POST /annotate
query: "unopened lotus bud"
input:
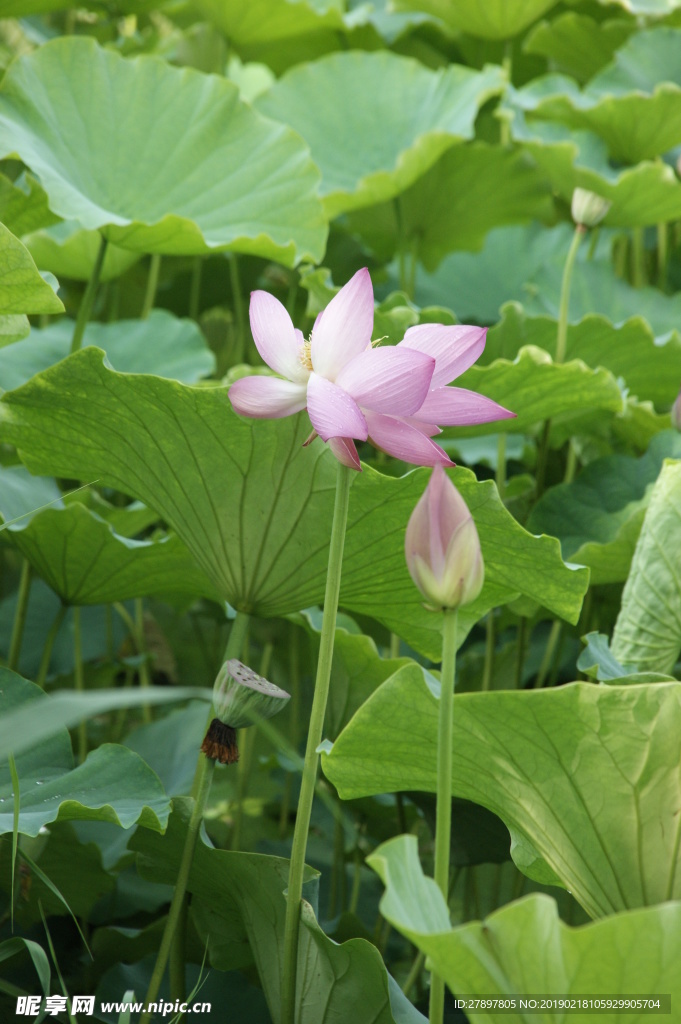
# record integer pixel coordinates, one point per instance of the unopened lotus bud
(588, 208)
(442, 546)
(240, 697)
(676, 412)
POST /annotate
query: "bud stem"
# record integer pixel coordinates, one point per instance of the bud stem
(443, 815)
(200, 791)
(314, 738)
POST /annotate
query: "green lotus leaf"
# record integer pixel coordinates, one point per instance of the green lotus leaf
(254, 507)
(84, 561)
(70, 251)
(24, 205)
(456, 203)
(489, 19)
(112, 784)
(13, 327)
(22, 289)
(538, 389)
(252, 23)
(526, 264)
(238, 904)
(531, 757)
(648, 629)
(576, 44)
(368, 153)
(634, 104)
(24, 8)
(651, 369)
(648, 193)
(598, 516)
(101, 132)
(598, 662)
(162, 344)
(635, 951)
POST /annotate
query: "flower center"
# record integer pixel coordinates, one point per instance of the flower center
(305, 355)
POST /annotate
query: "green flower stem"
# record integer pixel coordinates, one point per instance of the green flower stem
(294, 719)
(246, 750)
(195, 288)
(200, 791)
(88, 300)
(638, 256)
(49, 644)
(20, 617)
(314, 738)
(152, 285)
(443, 813)
(662, 251)
(561, 341)
(235, 281)
(79, 681)
(141, 644)
(561, 347)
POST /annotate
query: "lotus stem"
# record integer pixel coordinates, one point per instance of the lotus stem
(314, 738)
(49, 645)
(20, 616)
(79, 681)
(88, 300)
(152, 285)
(443, 812)
(202, 781)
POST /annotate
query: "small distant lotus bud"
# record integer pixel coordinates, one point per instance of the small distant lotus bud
(240, 697)
(442, 546)
(676, 413)
(588, 209)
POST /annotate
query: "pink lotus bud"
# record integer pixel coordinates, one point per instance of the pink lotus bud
(442, 546)
(676, 412)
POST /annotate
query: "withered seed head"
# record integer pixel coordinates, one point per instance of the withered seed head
(219, 743)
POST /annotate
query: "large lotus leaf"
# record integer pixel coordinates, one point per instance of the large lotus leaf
(22, 730)
(13, 327)
(577, 44)
(238, 898)
(526, 263)
(598, 516)
(539, 389)
(162, 344)
(636, 951)
(357, 670)
(254, 507)
(112, 784)
(68, 250)
(456, 203)
(634, 104)
(648, 629)
(370, 151)
(598, 662)
(102, 133)
(650, 369)
(532, 757)
(24, 8)
(489, 19)
(86, 562)
(648, 193)
(475, 285)
(24, 205)
(252, 23)
(22, 289)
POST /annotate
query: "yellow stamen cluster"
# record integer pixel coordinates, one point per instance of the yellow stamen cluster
(306, 355)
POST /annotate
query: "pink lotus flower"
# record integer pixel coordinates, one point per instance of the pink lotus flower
(393, 396)
(442, 548)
